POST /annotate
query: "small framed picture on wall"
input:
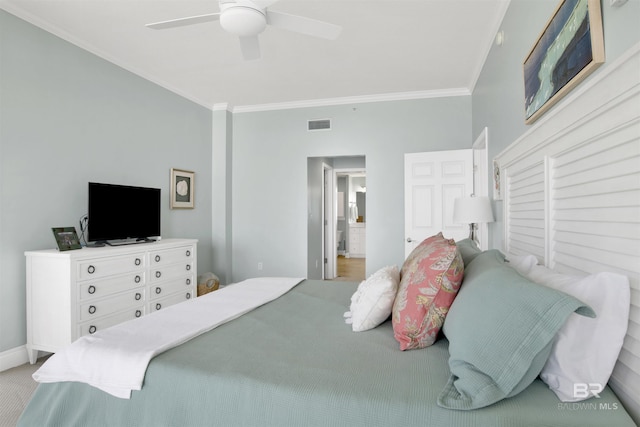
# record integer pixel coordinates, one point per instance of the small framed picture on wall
(497, 182)
(182, 189)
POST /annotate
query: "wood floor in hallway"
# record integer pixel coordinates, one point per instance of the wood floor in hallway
(351, 269)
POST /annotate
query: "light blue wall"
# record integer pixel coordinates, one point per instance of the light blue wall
(222, 147)
(498, 98)
(68, 117)
(270, 152)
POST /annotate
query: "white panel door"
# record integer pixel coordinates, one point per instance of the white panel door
(432, 181)
(329, 194)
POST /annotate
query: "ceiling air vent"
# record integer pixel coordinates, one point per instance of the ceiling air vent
(320, 124)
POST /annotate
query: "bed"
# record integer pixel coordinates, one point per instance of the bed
(293, 362)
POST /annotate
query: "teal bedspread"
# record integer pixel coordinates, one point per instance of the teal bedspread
(294, 362)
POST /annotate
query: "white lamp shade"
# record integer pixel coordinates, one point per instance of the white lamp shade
(472, 210)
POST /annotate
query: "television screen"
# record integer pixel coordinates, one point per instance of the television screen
(118, 212)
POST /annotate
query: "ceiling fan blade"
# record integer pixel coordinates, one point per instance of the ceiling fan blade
(250, 47)
(300, 24)
(184, 21)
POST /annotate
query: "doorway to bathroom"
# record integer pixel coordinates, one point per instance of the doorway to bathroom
(329, 252)
(350, 189)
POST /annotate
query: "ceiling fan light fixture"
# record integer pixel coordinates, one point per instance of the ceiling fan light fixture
(246, 19)
(243, 21)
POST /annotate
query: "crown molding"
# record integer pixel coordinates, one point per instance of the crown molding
(222, 106)
(496, 27)
(397, 96)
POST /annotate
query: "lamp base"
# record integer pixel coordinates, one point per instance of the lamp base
(472, 233)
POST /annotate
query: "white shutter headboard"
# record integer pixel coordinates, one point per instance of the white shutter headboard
(571, 188)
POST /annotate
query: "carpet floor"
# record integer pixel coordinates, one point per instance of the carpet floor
(16, 388)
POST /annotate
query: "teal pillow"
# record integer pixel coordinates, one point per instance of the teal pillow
(468, 250)
(500, 330)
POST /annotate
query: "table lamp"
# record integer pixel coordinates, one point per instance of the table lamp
(472, 210)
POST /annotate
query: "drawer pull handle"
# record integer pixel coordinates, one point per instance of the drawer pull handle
(188, 295)
(138, 296)
(188, 267)
(91, 269)
(158, 306)
(188, 282)
(158, 290)
(92, 309)
(92, 329)
(137, 279)
(188, 252)
(157, 258)
(138, 313)
(158, 274)
(138, 261)
(92, 289)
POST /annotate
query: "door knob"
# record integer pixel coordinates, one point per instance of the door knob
(409, 240)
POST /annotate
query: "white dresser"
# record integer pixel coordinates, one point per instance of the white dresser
(75, 293)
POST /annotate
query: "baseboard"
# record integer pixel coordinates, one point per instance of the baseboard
(13, 357)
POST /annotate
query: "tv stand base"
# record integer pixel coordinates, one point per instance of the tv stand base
(127, 242)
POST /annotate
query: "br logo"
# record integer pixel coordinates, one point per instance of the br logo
(584, 390)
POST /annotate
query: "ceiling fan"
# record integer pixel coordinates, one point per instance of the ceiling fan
(248, 18)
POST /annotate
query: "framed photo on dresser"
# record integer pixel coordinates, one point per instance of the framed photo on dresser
(66, 238)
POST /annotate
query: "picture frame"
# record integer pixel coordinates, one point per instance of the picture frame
(497, 184)
(66, 238)
(182, 189)
(570, 47)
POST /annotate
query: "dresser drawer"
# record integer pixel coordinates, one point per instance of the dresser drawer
(170, 256)
(162, 289)
(94, 268)
(95, 309)
(96, 325)
(169, 272)
(171, 300)
(104, 287)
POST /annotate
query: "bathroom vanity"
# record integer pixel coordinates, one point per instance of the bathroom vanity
(357, 240)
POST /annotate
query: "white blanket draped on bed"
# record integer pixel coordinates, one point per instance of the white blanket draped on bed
(115, 360)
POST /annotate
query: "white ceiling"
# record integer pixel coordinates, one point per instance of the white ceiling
(388, 49)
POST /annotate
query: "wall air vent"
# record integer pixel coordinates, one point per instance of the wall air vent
(319, 124)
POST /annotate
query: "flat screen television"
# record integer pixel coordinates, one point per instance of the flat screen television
(122, 213)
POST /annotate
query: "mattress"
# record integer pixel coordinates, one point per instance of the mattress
(294, 362)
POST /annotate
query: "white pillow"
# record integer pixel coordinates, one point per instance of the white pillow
(372, 302)
(586, 349)
(522, 263)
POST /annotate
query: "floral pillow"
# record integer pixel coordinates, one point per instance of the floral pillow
(430, 280)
